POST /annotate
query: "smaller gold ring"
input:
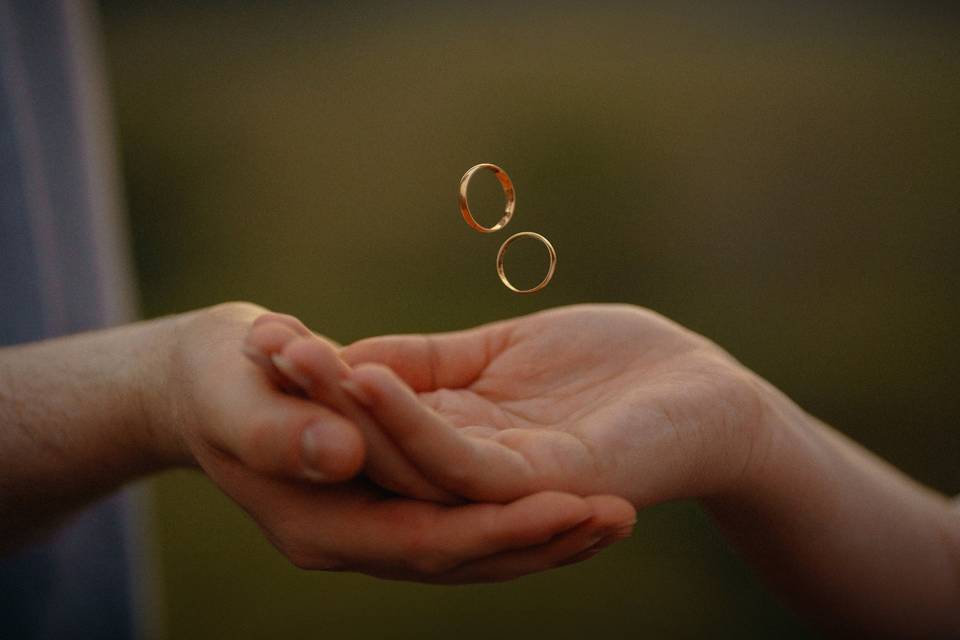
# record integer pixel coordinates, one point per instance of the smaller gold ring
(508, 191)
(503, 250)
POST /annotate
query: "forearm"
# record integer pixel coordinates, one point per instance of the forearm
(843, 534)
(73, 423)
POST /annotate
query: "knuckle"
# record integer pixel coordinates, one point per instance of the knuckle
(235, 310)
(213, 322)
(238, 307)
(271, 316)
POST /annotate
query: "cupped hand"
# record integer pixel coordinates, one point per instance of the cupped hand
(590, 399)
(287, 461)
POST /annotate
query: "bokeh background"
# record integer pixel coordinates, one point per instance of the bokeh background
(782, 177)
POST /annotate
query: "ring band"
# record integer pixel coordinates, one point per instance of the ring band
(503, 250)
(508, 191)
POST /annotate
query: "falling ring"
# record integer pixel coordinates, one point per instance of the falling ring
(508, 191)
(550, 270)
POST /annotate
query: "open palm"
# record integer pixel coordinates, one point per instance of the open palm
(587, 399)
(247, 435)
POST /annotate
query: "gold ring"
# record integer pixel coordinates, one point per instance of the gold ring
(507, 191)
(503, 250)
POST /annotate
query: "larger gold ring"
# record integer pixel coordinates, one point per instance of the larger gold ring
(508, 191)
(503, 250)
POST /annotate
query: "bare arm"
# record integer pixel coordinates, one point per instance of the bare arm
(842, 534)
(72, 424)
(80, 416)
(616, 399)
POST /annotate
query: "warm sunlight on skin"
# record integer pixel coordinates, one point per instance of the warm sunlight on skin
(248, 437)
(614, 399)
(589, 399)
(179, 391)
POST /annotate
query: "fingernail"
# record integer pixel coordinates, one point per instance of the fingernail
(257, 357)
(586, 554)
(604, 540)
(313, 442)
(356, 392)
(591, 552)
(287, 368)
(595, 542)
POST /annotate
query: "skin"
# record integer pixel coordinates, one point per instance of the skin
(616, 399)
(80, 416)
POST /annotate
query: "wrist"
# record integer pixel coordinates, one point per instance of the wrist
(160, 408)
(185, 352)
(783, 447)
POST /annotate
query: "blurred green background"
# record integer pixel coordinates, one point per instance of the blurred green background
(781, 177)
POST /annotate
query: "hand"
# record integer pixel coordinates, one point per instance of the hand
(595, 399)
(273, 344)
(615, 399)
(273, 452)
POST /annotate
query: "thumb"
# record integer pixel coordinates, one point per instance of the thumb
(279, 434)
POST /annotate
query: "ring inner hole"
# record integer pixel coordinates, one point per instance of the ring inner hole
(486, 198)
(526, 262)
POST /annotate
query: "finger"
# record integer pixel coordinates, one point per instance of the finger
(348, 527)
(435, 539)
(509, 565)
(265, 339)
(291, 322)
(590, 552)
(613, 515)
(613, 519)
(321, 372)
(280, 434)
(429, 362)
(404, 538)
(476, 468)
(268, 336)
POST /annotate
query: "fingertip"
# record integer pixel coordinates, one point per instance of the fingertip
(375, 383)
(542, 516)
(571, 512)
(268, 338)
(256, 356)
(573, 506)
(292, 372)
(285, 319)
(612, 512)
(316, 357)
(371, 372)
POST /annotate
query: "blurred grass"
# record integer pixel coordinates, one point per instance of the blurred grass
(783, 178)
